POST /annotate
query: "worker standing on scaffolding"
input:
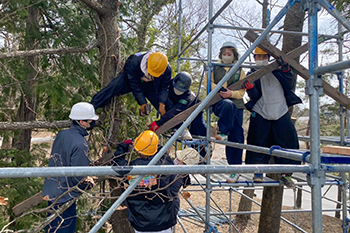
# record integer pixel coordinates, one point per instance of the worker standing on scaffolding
(146, 75)
(181, 98)
(230, 108)
(70, 148)
(270, 122)
(153, 205)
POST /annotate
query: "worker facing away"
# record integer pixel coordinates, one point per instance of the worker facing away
(153, 204)
(70, 148)
(147, 75)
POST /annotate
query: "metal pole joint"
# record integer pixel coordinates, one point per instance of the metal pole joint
(314, 86)
(305, 6)
(313, 177)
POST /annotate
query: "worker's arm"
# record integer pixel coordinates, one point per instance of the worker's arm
(80, 157)
(164, 84)
(181, 106)
(134, 74)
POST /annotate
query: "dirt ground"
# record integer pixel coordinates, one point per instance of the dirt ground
(304, 220)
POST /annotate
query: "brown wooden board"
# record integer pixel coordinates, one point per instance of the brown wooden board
(236, 86)
(341, 150)
(302, 71)
(27, 204)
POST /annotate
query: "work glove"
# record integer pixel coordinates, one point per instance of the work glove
(248, 85)
(153, 126)
(128, 141)
(144, 110)
(283, 64)
(162, 108)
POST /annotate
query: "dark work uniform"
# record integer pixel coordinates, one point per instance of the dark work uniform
(178, 103)
(70, 148)
(266, 133)
(129, 80)
(147, 210)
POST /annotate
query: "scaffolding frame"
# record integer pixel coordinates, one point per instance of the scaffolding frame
(315, 169)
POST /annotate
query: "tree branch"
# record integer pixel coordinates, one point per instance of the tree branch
(35, 124)
(49, 51)
(94, 5)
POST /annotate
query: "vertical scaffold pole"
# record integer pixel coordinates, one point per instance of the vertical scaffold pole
(210, 30)
(179, 37)
(341, 80)
(314, 87)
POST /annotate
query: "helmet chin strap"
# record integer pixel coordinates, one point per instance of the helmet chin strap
(84, 127)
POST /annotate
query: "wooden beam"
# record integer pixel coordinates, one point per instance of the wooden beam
(236, 86)
(341, 150)
(299, 69)
(27, 204)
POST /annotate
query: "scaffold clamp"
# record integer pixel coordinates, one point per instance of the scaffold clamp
(317, 174)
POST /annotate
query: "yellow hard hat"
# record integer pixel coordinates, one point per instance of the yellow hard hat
(157, 63)
(146, 143)
(259, 51)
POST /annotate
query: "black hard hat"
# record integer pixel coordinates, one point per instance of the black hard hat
(182, 81)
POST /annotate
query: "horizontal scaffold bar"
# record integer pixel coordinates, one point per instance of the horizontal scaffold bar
(20, 172)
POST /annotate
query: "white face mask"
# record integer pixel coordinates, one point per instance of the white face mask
(262, 62)
(227, 59)
(177, 92)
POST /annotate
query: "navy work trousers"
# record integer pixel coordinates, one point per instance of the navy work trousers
(120, 86)
(66, 222)
(230, 123)
(267, 133)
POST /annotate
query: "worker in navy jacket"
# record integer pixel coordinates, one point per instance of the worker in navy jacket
(154, 203)
(146, 75)
(270, 121)
(180, 99)
(69, 149)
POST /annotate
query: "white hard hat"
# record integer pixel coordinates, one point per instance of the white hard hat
(83, 111)
(188, 155)
(228, 44)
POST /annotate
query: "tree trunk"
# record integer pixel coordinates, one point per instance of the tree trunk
(245, 204)
(265, 16)
(108, 35)
(28, 102)
(110, 65)
(271, 208)
(119, 219)
(293, 21)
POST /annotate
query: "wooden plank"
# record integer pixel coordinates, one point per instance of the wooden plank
(341, 150)
(302, 71)
(29, 203)
(236, 86)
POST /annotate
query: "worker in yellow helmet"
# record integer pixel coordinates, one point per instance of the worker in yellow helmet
(147, 75)
(270, 122)
(153, 205)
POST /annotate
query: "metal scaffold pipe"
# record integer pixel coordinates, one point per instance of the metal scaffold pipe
(146, 170)
(332, 68)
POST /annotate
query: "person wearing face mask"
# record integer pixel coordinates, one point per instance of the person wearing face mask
(147, 75)
(270, 122)
(180, 98)
(70, 148)
(230, 108)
